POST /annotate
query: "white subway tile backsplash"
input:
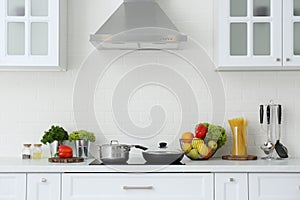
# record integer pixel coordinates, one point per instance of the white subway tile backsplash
(33, 101)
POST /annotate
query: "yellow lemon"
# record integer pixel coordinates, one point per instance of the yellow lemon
(186, 147)
(202, 149)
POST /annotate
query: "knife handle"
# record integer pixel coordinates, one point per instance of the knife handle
(261, 114)
(268, 114)
(279, 113)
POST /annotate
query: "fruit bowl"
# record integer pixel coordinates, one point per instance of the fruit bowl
(198, 149)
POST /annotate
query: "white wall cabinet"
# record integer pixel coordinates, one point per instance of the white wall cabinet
(43, 186)
(231, 186)
(146, 186)
(12, 186)
(33, 34)
(276, 186)
(258, 34)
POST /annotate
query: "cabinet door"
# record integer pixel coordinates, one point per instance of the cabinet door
(274, 186)
(231, 186)
(12, 186)
(43, 186)
(30, 33)
(117, 186)
(249, 33)
(291, 33)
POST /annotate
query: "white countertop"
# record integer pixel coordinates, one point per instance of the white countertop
(17, 165)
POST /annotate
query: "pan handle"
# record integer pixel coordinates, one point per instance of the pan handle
(140, 147)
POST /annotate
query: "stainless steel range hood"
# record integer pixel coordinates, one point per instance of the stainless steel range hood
(138, 24)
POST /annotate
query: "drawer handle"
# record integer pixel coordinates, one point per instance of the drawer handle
(137, 187)
(43, 180)
(231, 180)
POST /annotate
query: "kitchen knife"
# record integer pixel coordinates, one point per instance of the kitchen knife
(261, 115)
(268, 123)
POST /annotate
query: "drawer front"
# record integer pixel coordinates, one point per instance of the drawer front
(137, 186)
(231, 186)
(12, 186)
(264, 186)
(43, 186)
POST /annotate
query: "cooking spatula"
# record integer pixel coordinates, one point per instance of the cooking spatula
(280, 148)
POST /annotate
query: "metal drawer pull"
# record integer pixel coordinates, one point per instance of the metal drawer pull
(137, 187)
(298, 187)
(277, 59)
(44, 180)
(231, 179)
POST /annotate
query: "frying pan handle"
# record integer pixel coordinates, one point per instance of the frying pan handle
(140, 147)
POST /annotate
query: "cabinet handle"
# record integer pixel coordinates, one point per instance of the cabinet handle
(137, 187)
(277, 59)
(288, 59)
(231, 179)
(43, 180)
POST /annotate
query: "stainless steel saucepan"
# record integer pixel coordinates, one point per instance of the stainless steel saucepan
(115, 153)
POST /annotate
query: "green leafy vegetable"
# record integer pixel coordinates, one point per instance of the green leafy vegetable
(54, 133)
(82, 135)
(74, 136)
(216, 133)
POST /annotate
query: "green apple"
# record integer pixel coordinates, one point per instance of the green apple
(194, 154)
(213, 145)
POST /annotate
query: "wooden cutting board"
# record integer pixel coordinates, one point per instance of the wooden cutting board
(66, 160)
(230, 157)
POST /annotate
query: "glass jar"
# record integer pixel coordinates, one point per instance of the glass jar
(37, 151)
(26, 152)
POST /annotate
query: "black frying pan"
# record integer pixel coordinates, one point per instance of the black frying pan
(162, 155)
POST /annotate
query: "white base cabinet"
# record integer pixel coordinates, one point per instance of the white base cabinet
(231, 186)
(266, 186)
(43, 186)
(12, 186)
(149, 186)
(146, 186)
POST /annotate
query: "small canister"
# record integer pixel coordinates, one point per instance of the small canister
(26, 152)
(37, 152)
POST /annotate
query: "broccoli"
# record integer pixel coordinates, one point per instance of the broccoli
(216, 133)
(82, 135)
